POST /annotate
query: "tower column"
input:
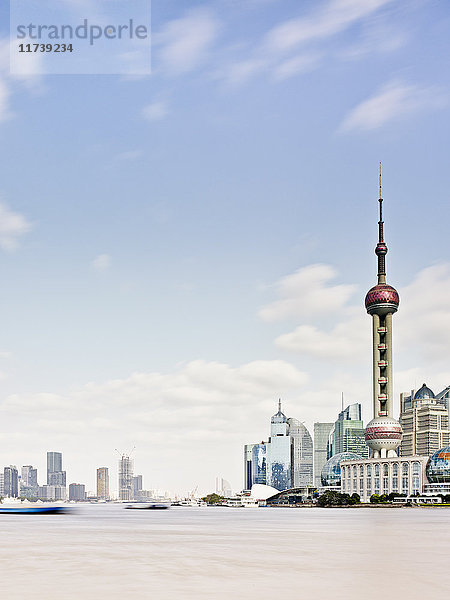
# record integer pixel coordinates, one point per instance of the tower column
(375, 360)
(389, 368)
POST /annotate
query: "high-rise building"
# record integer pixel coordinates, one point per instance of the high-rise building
(77, 492)
(11, 482)
(348, 432)
(302, 454)
(248, 472)
(2, 485)
(125, 478)
(54, 462)
(137, 486)
(55, 474)
(259, 460)
(29, 476)
(321, 434)
(424, 420)
(279, 453)
(102, 483)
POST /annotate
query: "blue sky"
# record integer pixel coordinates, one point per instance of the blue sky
(179, 250)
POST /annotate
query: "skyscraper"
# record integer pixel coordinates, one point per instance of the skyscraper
(29, 476)
(302, 454)
(77, 492)
(125, 478)
(102, 483)
(425, 423)
(383, 433)
(321, 433)
(279, 452)
(55, 474)
(11, 482)
(348, 433)
(259, 459)
(137, 486)
(248, 472)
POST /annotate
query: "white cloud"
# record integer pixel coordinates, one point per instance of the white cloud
(155, 111)
(328, 20)
(102, 262)
(295, 66)
(185, 43)
(393, 101)
(12, 226)
(348, 340)
(307, 292)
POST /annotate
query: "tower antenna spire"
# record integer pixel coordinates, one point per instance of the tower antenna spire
(279, 404)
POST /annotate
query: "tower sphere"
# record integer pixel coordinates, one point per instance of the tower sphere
(382, 299)
(383, 433)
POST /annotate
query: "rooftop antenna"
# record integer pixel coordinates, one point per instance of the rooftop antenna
(279, 404)
(342, 401)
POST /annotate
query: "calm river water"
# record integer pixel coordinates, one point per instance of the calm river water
(104, 552)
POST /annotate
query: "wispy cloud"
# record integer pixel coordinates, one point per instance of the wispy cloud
(102, 262)
(393, 101)
(307, 292)
(185, 43)
(297, 45)
(12, 227)
(156, 111)
(330, 19)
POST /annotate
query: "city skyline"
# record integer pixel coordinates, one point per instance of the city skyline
(175, 264)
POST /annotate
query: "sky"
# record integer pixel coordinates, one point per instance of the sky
(180, 250)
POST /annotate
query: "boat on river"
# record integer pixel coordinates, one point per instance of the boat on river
(31, 510)
(148, 505)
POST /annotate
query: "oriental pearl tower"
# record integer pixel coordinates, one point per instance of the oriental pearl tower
(384, 433)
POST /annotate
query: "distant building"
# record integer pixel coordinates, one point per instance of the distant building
(425, 422)
(125, 478)
(52, 492)
(137, 486)
(77, 492)
(29, 476)
(223, 488)
(11, 482)
(285, 460)
(302, 454)
(102, 483)
(321, 435)
(55, 474)
(279, 453)
(2, 485)
(348, 433)
(248, 473)
(259, 460)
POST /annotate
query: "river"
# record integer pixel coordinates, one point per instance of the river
(105, 552)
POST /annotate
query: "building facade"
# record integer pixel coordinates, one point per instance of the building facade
(77, 492)
(55, 474)
(102, 483)
(321, 434)
(11, 482)
(279, 453)
(259, 463)
(348, 433)
(302, 454)
(401, 475)
(425, 422)
(248, 473)
(125, 478)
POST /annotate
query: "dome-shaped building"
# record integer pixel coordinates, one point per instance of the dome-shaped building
(331, 472)
(438, 466)
(424, 393)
